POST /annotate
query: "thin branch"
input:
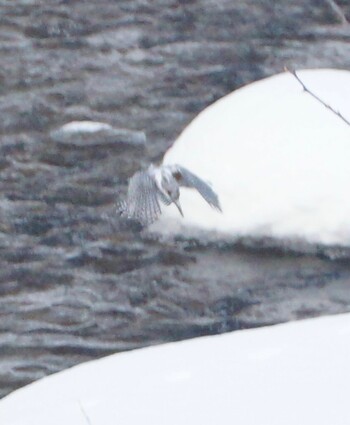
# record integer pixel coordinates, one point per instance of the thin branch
(87, 419)
(337, 11)
(326, 105)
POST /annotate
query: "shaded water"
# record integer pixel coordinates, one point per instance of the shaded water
(77, 283)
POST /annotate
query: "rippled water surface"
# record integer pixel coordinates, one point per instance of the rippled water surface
(76, 282)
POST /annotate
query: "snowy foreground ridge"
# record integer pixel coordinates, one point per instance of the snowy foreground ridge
(296, 373)
(278, 159)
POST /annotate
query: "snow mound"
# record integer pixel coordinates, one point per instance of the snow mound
(297, 373)
(278, 159)
(84, 127)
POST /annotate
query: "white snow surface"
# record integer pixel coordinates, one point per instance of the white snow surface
(84, 127)
(278, 159)
(296, 373)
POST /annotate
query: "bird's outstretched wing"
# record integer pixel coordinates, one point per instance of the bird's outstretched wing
(187, 179)
(142, 199)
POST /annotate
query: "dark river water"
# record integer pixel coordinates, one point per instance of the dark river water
(77, 282)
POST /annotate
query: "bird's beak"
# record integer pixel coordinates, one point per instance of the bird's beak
(178, 206)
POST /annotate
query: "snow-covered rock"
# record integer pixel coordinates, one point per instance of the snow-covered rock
(85, 127)
(93, 133)
(296, 373)
(278, 159)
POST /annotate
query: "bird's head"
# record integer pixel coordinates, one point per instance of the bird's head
(170, 187)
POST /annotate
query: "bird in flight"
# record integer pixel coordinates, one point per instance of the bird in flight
(161, 184)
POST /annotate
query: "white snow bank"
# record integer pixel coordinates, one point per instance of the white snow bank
(297, 373)
(279, 160)
(84, 127)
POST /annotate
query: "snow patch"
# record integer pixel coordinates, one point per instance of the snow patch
(296, 373)
(278, 159)
(84, 127)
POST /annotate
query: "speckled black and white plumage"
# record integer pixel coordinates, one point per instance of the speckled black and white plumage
(185, 178)
(161, 184)
(142, 198)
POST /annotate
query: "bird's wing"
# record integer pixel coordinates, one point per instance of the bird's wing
(187, 179)
(142, 200)
(166, 201)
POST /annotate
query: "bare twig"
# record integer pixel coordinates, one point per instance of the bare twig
(326, 105)
(337, 11)
(87, 419)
